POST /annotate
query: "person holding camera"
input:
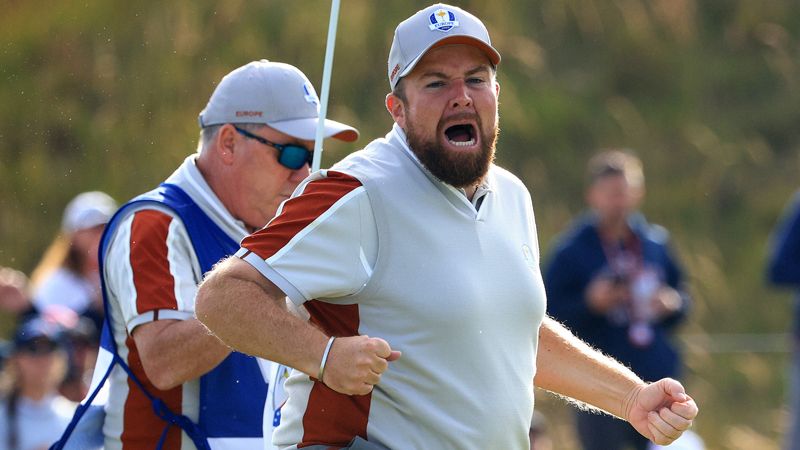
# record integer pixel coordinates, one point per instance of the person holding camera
(614, 281)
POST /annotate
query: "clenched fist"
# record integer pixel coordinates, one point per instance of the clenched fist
(355, 364)
(661, 411)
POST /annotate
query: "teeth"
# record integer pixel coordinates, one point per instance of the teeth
(463, 144)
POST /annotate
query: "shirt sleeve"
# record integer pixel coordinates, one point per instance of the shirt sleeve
(322, 243)
(151, 270)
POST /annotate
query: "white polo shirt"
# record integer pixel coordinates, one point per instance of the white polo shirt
(379, 246)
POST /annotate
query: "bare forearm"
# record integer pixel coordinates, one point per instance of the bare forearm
(251, 317)
(176, 351)
(569, 367)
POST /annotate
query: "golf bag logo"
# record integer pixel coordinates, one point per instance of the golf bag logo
(442, 20)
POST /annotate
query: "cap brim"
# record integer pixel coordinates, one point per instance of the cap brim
(491, 53)
(307, 129)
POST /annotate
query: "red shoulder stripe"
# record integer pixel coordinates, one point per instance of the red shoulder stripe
(299, 212)
(155, 287)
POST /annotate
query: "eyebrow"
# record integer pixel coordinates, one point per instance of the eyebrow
(473, 71)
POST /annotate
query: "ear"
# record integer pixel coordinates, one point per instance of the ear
(397, 109)
(225, 147)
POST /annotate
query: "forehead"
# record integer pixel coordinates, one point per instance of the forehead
(452, 59)
(612, 183)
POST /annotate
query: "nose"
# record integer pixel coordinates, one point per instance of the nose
(461, 96)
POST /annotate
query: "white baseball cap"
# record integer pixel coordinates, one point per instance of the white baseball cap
(88, 210)
(432, 27)
(271, 93)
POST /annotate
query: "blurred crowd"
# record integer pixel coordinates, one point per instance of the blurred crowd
(47, 363)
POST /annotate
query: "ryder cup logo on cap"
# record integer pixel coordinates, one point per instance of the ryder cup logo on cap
(435, 26)
(442, 20)
(310, 94)
(274, 94)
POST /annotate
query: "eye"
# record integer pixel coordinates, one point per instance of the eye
(435, 84)
(475, 80)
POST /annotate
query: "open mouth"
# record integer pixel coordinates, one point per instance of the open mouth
(462, 135)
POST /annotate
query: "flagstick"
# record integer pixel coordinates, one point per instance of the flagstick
(326, 84)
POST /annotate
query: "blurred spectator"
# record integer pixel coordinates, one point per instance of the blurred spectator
(784, 270)
(68, 273)
(66, 285)
(81, 340)
(13, 291)
(14, 301)
(32, 413)
(689, 440)
(81, 336)
(613, 280)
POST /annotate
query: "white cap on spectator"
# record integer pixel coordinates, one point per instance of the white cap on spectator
(271, 93)
(88, 210)
(435, 26)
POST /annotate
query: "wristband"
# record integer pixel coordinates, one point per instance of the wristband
(325, 358)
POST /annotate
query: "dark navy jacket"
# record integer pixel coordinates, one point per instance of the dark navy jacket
(784, 257)
(576, 259)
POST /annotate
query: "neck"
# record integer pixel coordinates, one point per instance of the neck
(203, 164)
(216, 180)
(613, 229)
(471, 190)
(221, 184)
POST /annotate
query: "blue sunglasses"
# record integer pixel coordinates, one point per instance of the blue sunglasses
(289, 155)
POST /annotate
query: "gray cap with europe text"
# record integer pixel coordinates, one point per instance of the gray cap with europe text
(271, 93)
(435, 26)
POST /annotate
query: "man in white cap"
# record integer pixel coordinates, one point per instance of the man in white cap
(419, 244)
(176, 386)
